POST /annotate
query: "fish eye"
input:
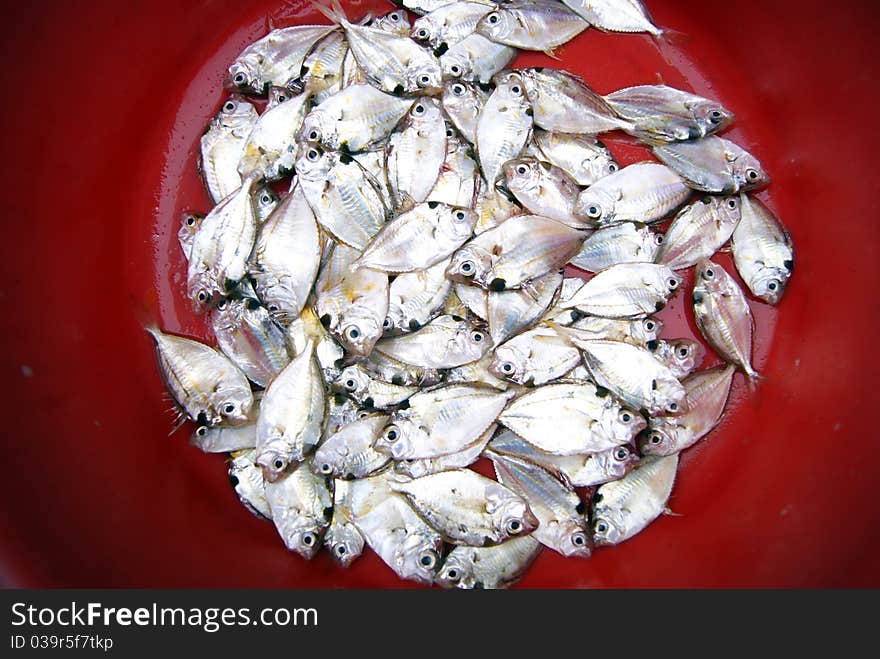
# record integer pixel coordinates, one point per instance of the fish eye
(460, 216)
(708, 273)
(341, 550)
(229, 408)
(350, 384)
(352, 333)
(521, 169)
(655, 438)
(419, 109)
(314, 136)
(477, 337)
(455, 70)
(621, 453)
(281, 98)
(424, 80)
(326, 468)
(449, 132)
(428, 560)
(422, 34)
(752, 175)
(467, 268)
(715, 117)
(279, 464)
(312, 155)
(683, 351)
(229, 106)
(387, 324)
(773, 286)
(452, 574)
(190, 221)
(239, 79)
(579, 539)
(658, 239)
(650, 325)
(493, 18)
(626, 416)
(394, 16)
(203, 297)
(222, 305)
(601, 526)
(672, 407)
(673, 283)
(392, 434)
(514, 526)
(273, 308)
(594, 211)
(507, 368)
(458, 90)
(612, 168)
(731, 203)
(515, 90)
(201, 431)
(363, 414)
(308, 539)
(265, 199)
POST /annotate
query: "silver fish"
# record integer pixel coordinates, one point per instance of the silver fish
(291, 415)
(394, 22)
(372, 393)
(535, 357)
(459, 180)
(419, 238)
(477, 373)
(354, 118)
(416, 468)
(186, 234)
(762, 251)
(488, 568)
(503, 127)
(221, 247)
(624, 507)
(449, 23)
(423, 7)
(560, 313)
(443, 343)
(707, 393)
(247, 481)
(346, 202)
(582, 157)
(276, 59)
(494, 207)
(342, 539)
(544, 189)
(349, 453)
(511, 312)
(532, 25)
(723, 315)
(666, 114)
(341, 411)
(681, 356)
(463, 102)
(642, 332)
(270, 150)
(416, 152)
(396, 372)
(222, 145)
(563, 103)
(265, 202)
(628, 290)
(476, 59)
(562, 524)
(223, 439)
(301, 503)
(714, 164)
(322, 67)
(570, 419)
(247, 334)
(352, 302)
(474, 299)
(615, 15)
(642, 192)
(441, 421)
(699, 231)
(416, 298)
(629, 242)
(521, 249)
(327, 351)
(467, 508)
(204, 383)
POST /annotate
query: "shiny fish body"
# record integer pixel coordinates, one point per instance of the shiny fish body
(247, 481)
(390, 370)
(511, 312)
(493, 208)
(628, 242)
(474, 299)
(373, 163)
(247, 334)
(642, 192)
(354, 118)
(535, 357)
(322, 67)
(615, 15)
(449, 23)
(563, 103)
(352, 302)
(286, 256)
(559, 313)
(276, 59)
(633, 375)
(699, 231)
(714, 164)
(416, 152)
(204, 383)
(346, 203)
(503, 127)
(642, 332)
(723, 315)
(467, 508)
(186, 234)
(554, 503)
(582, 157)
(328, 353)
(342, 539)
(476, 59)
(544, 189)
(459, 180)
(301, 503)
(419, 238)
(394, 22)
(349, 453)
(463, 102)
(762, 251)
(440, 422)
(628, 290)
(521, 249)
(416, 298)
(291, 415)
(532, 25)
(477, 373)
(707, 393)
(265, 202)
(340, 412)
(224, 439)
(221, 247)
(569, 419)
(443, 343)
(355, 381)
(624, 507)
(666, 114)
(222, 146)
(467, 456)
(270, 150)
(488, 568)
(681, 356)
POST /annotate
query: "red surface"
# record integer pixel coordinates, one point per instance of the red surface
(99, 159)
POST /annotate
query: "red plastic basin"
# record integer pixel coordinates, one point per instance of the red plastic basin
(99, 158)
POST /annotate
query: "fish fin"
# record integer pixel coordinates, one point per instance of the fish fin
(552, 54)
(668, 511)
(334, 12)
(179, 420)
(405, 204)
(726, 249)
(753, 378)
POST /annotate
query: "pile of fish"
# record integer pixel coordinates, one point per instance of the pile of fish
(401, 311)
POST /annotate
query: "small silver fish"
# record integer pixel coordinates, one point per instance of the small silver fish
(628, 290)
(544, 189)
(388, 369)
(443, 343)
(449, 24)
(488, 568)
(714, 164)
(270, 150)
(225, 439)
(582, 157)
(511, 312)
(762, 251)
(189, 225)
(629, 242)
(535, 357)
(356, 381)
(681, 356)
(699, 231)
(533, 25)
(222, 145)
(503, 127)
(476, 59)
(301, 503)
(247, 481)
(463, 102)
(416, 152)
(416, 468)
(642, 332)
(416, 298)
(349, 453)
(342, 539)
(460, 178)
(615, 15)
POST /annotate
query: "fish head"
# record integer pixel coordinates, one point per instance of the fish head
(511, 90)
(232, 404)
(606, 531)
(236, 112)
(353, 381)
(510, 514)
(245, 76)
(396, 320)
(345, 543)
(748, 172)
(621, 423)
(394, 22)
(426, 76)
(596, 206)
(413, 468)
(228, 314)
(572, 537)
(189, 225)
(687, 354)
(359, 330)
(509, 363)
(281, 301)
(469, 264)
(646, 329)
(457, 222)
(659, 439)
(668, 396)
(424, 30)
(418, 556)
(202, 291)
(313, 163)
(265, 201)
(457, 570)
(768, 283)
(617, 461)
(708, 278)
(301, 534)
(472, 341)
(667, 281)
(273, 460)
(727, 209)
(426, 111)
(711, 116)
(524, 175)
(497, 25)
(400, 437)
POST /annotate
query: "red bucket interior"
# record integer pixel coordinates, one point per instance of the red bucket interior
(101, 160)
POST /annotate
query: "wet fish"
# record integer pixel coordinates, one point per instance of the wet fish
(349, 453)
(544, 189)
(503, 127)
(247, 481)
(356, 381)
(416, 298)
(699, 231)
(396, 372)
(707, 393)
(643, 192)
(624, 507)
(475, 59)
(445, 342)
(265, 202)
(322, 68)
(394, 22)
(629, 242)
(270, 151)
(532, 25)
(511, 312)
(328, 352)
(450, 23)
(223, 439)
(628, 290)
(189, 225)
(681, 356)
(341, 411)
(342, 539)
(723, 315)
(762, 251)
(302, 504)
(535, 357)
(582, 157)
(222, 145)
(495, 567)
(416, 152)
(477, 373)
(460, 178)
(642, 332)
(467, 508)
(714, 164)
(463, 102)
(615, 15)
(416, 468)
(494, 207)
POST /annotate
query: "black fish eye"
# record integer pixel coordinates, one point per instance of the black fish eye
(452, 574)
(282, 98)
(716, 114)
(229, 408)
(424, 79)
(341, 550)
(514, 526)
(387, 324)
(522, 169)
(190, 220)
(419, 109)
(772, 286)
(222, 305)
(392, 435)
(673, 407)
(312, 155)
(621, 453)
(612, 168)
(423, 33)
(601, 527)
(394, 16)
(201, 431)
(353, 333)
(752, 174)
(460, 215)
(428, 560)
(578, 539)
(229, 107)
(350, 384)
(455, 70)
(308, 540)
(467, 268)
(649, 326)
(239, 79)
(273, 308)
(202, 296)
(507, 367)
(655, 438)
(493, 18)
(626, 417)
(477, 337)
(709, 273)
(458, 90)
(731, 203)
(279, 464)
(449, 132)
(673, 283)
(314, 135)
(515, 89)
(265, 199)
(682, 352)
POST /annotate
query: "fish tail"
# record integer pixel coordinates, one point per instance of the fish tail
(334, 12)
(753, 378)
